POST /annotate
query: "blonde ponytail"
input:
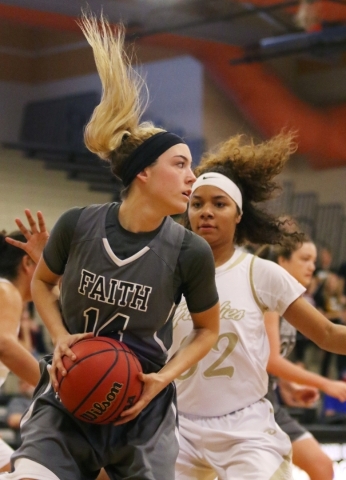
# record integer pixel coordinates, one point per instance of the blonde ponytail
(121, 105)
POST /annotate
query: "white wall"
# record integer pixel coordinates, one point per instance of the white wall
(25, 183)
(329, 184)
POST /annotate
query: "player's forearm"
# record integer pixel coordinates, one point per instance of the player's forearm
(311, 323)
(193, 349)
(286, 370)
(18, 360)
(200, 341)
(46, 301)
(13, 421)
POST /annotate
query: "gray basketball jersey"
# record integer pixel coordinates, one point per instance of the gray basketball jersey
(129, 299)
(288, 336)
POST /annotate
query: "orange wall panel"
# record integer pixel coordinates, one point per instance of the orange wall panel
(63, 65)
(15, 68)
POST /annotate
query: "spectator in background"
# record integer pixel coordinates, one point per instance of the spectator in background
(342, 275)
(302, 342)
(332, 407)
(330, 300)
(324, 263)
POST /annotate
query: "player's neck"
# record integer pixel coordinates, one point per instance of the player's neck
(136, 218)
(23, 288)
(222, 253)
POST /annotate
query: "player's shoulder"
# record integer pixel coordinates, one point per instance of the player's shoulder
(7, 286)
(70, 216)
(77, 210)
(92, 211)
(264, 265)
(268, 273)
(9, 294)
(194, 242)
(195, 257)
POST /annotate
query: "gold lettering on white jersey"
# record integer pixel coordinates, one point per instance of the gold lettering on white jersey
(215, 369)
(229, 313)
(182, 313)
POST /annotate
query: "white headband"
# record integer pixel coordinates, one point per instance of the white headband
(220, 181)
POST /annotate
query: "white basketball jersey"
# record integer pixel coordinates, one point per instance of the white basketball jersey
(233, 374)
(4, 371)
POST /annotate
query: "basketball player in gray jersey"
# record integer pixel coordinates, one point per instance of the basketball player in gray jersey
(97, 242)
(123, 268)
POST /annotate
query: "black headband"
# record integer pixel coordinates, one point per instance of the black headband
(147, 153)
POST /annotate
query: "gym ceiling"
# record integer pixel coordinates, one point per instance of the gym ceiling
(263, 54)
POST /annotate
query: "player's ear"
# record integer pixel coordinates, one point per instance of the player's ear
(281, 260)
(143, 175)
(27, 263)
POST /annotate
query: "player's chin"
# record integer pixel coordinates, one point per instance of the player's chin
(179, 208)
(185, 202)
(207, 235)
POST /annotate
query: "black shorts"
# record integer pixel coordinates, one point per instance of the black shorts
(145, 448)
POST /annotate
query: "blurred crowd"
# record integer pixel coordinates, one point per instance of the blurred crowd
(327, 292)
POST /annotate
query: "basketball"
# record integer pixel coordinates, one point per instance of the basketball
(102, 382)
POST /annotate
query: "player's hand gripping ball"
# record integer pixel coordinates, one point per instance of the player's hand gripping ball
(102, 381)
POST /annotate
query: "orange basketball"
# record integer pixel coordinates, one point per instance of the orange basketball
(101, 382)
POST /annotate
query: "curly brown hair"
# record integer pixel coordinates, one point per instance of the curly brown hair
(253, 167)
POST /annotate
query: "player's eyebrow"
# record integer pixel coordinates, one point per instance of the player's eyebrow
(188, 160)
(214, 196)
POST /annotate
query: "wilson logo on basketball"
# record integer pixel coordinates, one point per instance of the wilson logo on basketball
(101, 382)
(100, 408)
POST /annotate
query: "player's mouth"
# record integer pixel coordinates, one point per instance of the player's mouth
(187, 193)
(205, 227)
